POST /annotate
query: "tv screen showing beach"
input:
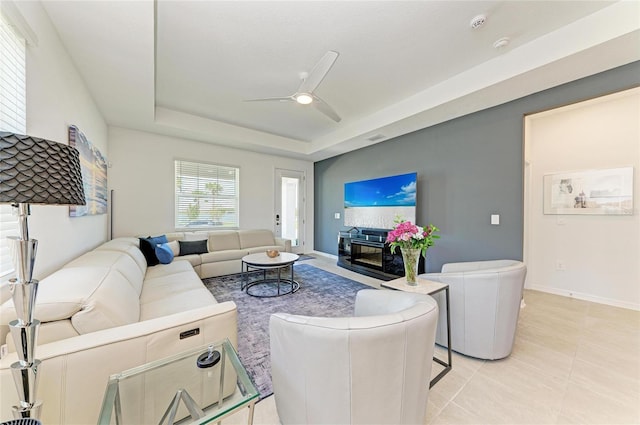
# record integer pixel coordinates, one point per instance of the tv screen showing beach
(375, 203)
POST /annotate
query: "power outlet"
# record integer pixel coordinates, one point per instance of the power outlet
(560, 266)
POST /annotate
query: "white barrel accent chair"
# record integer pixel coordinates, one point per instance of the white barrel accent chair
(485, 304)
(371, 368)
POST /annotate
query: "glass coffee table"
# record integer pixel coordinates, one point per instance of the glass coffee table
(178, 390)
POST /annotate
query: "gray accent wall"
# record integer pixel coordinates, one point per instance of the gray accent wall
(468, 168)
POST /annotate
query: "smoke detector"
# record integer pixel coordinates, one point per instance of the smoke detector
(478, 21)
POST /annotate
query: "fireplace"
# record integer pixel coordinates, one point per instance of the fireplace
(366, 252)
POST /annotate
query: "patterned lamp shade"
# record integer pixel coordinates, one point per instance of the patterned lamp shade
(39, 171)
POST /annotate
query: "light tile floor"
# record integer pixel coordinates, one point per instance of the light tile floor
(574, 362)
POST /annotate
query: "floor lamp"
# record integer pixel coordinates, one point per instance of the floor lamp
(32, 171)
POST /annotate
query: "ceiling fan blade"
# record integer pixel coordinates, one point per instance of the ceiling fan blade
(269, 99)
(324, 107)
(318, 72)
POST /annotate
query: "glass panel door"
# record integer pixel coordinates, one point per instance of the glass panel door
(289, 203)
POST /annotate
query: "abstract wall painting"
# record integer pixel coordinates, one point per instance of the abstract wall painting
(601, 192)
(94, 175)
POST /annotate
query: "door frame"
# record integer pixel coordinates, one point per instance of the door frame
(302, 204)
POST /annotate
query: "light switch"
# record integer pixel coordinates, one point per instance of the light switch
(495, 219)
(336, 216)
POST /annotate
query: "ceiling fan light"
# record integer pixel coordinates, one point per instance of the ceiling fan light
(304, 98)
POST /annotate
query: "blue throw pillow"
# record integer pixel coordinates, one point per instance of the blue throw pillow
(164, 253)
(157, 240)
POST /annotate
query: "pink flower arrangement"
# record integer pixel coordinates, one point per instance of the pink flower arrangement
(407, 235)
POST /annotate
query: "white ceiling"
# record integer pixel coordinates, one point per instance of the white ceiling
(186, 68)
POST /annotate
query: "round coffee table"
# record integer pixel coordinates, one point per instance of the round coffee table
(261, 261)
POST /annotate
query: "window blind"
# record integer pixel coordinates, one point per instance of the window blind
(12, 80)
(12, 118)
(206, 195)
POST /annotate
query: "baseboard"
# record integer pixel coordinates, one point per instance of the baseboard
(585, 297)
(324, 254)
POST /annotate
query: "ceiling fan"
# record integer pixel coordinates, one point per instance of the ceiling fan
(305, 95)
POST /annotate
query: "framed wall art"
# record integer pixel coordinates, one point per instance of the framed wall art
(94, 175)
(603, 192)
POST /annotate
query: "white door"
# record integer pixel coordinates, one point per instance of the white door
(289, 208)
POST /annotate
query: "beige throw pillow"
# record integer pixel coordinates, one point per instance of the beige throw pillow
(175, 248)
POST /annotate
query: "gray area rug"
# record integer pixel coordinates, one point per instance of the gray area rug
(321, 294)
(304, 257)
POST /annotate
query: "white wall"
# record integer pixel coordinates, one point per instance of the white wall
(601, 253)
(57, 98)
(142, 177)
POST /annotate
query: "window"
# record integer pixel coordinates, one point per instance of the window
(13, 119)
(12, 80)
(206, 195)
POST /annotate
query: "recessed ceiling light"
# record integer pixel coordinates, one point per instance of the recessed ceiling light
(502, 42)
(478, 21)
(304, 98)
(376, 137)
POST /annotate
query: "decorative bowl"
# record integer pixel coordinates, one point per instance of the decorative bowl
(272, 253)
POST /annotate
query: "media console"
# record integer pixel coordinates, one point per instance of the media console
(366, 252)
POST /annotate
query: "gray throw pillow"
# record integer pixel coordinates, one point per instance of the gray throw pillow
(193, 247)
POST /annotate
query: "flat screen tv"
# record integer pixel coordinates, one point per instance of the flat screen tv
(375, 203)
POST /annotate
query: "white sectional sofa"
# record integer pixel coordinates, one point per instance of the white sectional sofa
(106, 312)
(226, 249)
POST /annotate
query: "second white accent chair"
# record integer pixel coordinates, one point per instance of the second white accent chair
(371, 368)
(485, 304)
